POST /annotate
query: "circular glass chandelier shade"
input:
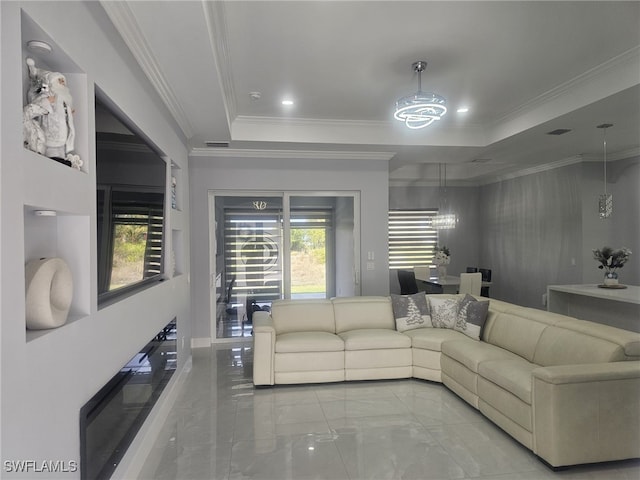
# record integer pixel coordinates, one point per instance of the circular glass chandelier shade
(420, 109)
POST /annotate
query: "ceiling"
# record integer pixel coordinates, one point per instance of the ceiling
(522, 68)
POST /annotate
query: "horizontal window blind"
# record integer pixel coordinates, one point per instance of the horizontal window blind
(253, 240)
(150, 214)
(412, 238)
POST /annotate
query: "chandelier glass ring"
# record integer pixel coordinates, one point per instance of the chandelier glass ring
(420, 109)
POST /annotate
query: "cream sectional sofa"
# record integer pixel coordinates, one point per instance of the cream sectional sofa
(567, 389)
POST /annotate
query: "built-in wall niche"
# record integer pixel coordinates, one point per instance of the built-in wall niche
(47, 55)
(176, 187)
(51, 234)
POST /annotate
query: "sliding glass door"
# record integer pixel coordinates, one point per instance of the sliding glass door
(279, 245)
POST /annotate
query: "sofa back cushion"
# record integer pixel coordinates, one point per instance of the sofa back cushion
(559, 346)
(518, 329)
(303, 316)
(575, 341)
(352, 313)
(628, 340)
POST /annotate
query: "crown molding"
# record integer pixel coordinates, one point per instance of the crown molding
(532, 170)
(216, 21)
(124, 21)
(630, 56)
(288, 154)
(309, 122)
(615, 156)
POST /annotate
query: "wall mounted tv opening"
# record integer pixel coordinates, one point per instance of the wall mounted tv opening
(131, 177)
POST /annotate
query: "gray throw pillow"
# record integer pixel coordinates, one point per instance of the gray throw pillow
(472, 315)
(410, 311)
(444, 311)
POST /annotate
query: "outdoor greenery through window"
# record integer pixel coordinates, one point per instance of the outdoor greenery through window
(309, 231)
(130, 226)
(137, 242)
(412, 238)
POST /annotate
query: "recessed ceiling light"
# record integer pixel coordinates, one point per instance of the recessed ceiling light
(255, 95)
(287, 102)
(463, 110)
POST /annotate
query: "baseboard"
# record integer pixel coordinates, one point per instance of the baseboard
(134, 459)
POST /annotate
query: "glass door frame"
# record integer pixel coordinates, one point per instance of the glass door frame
(286, 240)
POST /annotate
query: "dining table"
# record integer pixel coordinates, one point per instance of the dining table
(439, 284)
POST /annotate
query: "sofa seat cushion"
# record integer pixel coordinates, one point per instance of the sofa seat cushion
(308, 342)
(374, 339)
(513, 376)
(432, 338)
(471, 353)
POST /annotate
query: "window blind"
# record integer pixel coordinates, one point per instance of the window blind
(412, 238)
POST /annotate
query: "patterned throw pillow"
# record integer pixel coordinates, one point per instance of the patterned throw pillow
(444, 311)
(472, 315)
(410, 311)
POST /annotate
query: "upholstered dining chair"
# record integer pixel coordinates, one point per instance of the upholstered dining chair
(407, 281)
(486, 277)
(471, 283)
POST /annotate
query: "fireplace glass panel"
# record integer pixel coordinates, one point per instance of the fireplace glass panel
(110, 420)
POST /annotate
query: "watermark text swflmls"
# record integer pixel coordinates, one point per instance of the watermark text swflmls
(40, 466)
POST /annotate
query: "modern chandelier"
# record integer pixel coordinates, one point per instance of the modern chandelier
(446, 219)
(420, 109)
(605, 202)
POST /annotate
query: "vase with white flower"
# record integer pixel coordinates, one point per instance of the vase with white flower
(441, 259)
(610, 260)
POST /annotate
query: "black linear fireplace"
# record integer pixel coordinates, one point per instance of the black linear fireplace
(110, 420)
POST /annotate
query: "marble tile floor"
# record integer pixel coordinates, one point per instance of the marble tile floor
(221, 427)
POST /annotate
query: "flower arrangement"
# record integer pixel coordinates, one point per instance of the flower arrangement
(611, 259)
(442, 255)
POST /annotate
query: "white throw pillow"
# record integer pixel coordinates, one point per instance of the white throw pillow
(444, 311)
(410, 311)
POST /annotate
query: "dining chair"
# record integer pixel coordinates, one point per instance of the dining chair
(407, 280)
(486, 274)
(422, 272)
(470, 283)
(486, 277)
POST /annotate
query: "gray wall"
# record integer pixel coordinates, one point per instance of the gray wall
(531, 231)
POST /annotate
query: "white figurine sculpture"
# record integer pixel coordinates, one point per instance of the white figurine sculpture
(48, 126)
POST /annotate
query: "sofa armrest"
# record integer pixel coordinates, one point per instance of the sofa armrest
(595, 372)
(264, 347)
(586, 413)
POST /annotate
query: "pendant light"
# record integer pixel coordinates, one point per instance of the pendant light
(605, 202)
(420, 109)
(445, 220)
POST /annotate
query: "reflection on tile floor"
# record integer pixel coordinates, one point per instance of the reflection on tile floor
(223, 428)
